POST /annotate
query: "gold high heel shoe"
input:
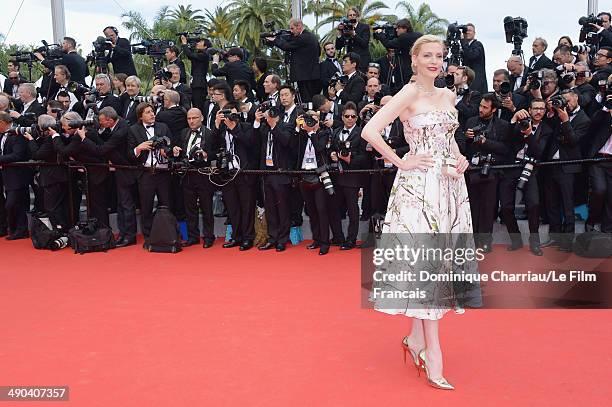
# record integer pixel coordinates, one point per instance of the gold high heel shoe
(440, 383)
(415, 357)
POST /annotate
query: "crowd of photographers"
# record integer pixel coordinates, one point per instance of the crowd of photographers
(249, 118)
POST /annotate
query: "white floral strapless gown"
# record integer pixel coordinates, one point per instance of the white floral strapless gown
(424, 205)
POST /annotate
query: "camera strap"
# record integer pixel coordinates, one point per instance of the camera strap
(270, 150)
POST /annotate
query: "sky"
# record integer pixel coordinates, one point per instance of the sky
(85, 20)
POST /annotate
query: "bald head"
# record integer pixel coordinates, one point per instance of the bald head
(194, 118)
(515, 65)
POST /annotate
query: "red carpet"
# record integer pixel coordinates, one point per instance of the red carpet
(223, 328)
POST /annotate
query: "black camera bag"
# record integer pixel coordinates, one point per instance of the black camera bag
(90, 237)
(41, 234)
(165, 233)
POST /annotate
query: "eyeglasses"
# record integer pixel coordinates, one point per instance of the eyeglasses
(218, 94)
(600, 55)
(373, 65)
(538, 108)
(350, 116)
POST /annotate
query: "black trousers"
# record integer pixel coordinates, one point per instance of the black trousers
(507, 198)
(198, 194)
(99, 200)
(600, 197)
(315, 199)
(55, 197)
(366, 201)
(308, 89)
(197, 98)
(151, 185)
(3, 215)
(559, 191)
(296, 204)
(126, 204)
(177, 204)
(16, 207)
(380, 189)
(276, 203)
(239, 199)
(348, 196)
(482, 192)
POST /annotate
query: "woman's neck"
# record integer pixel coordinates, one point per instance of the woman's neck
(425, 84)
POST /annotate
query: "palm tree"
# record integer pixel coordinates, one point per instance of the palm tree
(369, 11)
(318, 9)
(423, 19)
(249, 16)
(218, 26)
(185, 19)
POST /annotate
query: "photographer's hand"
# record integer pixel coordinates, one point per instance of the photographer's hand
(183, 40)
(329, 123)
(334, 156)
(519, 115)
(563, 115)
(218, 119)
(28, 136)
(144, 146)
(272, 121)
(346, 158)
(230, 123)
(259, 115)
(176, 151)
(81, 133)
(508, 104)
(469, 133)
(14, 114)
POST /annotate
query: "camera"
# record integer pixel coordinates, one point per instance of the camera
(486, 161)
(325, 179)
(224, 158)
(163, 75)
(346, 26)
(388, 30)
(535, 79)
(192, 37)
(453, 40)
(588, 33)
(480, 133)
(449, 80)
(50, 51)
(88, 227)
(516, 31)
(568, 77)
(25, 57)
(161, 143)
(272, 32)
(309, 120)
(77, 124)
(524, 124)
(235, 117)
(345, 149)
(102, 44)
(558, 101)
(35, 130)
(505, 89)
(153, 47)
(338, 77)
(526, 173)
(270, 107)
(581, 49)
(196, 156)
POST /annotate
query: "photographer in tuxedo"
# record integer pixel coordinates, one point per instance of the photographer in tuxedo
(15, 181)
(72, 60)
(602, 65)
(121, 53)
(275, 138)
(104, 98)
(173, 83)
(115, 151)
(486, 141)
(605, 30)
(467, 101)
(530, 136)
(172, 58)
(146, 149)
(197, 145)
(11, 84)
(347, 151)
(237, 140)
(401, 44)
(234, 69)
(474, 57)
(260, 69)
(272, 85)
(173, 115)
(510, 102)
(312, 154)
(199, 69)
(30, 109)
(518, 73)
(354, 88)
(128, 100)
(69, 144)
(305, 50)
(330, 65)
(356, 40)
(539, 60)
(570, 125)
(53, 179)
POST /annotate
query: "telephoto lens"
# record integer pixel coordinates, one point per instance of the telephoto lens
(325, 179)
(526, 173)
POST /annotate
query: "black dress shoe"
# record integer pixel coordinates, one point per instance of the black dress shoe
(348, 245)
(337, 242)
(230, 244)
(246, 245)
(208, 243)
(535, 249)
(280, 247)
(313, 245)
(126, 242)
(323, 250)
(17, 236)
(267, 246)
(190, 242)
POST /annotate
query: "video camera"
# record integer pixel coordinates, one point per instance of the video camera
(516, 31)
(272, 32)
(25, 57)
(192, 37)
(588, 33)
(453, 40)
(347, 26)
(102, 44)
(388, 30)
(50, 51)
(154, 47)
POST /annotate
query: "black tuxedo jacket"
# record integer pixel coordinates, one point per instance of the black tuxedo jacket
(15, 150)
(543, 62)
(129, 115)
(176, 120)
(327, 69)
(305, 51)
(28, 120)
(396, 141)
(260, 92)
(354, 90)
(199, 66)
(360, 159)
(42, 149)
(246, 145)
(74, 150)
(209, 119)
(523, 79)
(402, 45)
(121, 58)
(497, 143)
(114, 149)
(207, 143)
(600, 131)
(74, 62)
(474, 57)
(359, 44)
(468, 107)
(536, 142)
(281, 137)
(519, 101)
(181, 65)
(320, 141)
(567, 138)
(234, 71)
(137, 134)
(185, 94)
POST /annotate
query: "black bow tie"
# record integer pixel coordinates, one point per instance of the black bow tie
(149, 126)
(195, 133)
(345, 131)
